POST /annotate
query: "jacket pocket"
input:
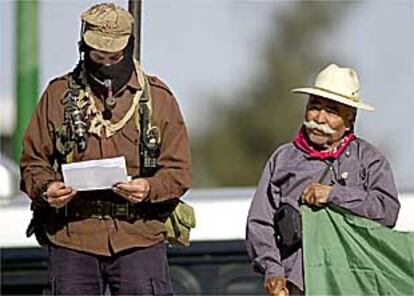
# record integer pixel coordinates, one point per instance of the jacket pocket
(128, 142)
(148, 228)
(87, 226)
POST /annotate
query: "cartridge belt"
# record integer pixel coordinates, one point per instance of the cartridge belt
(101, 209)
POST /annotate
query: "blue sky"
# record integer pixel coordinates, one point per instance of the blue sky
(212, 46)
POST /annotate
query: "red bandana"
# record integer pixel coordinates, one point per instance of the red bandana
(302, 143)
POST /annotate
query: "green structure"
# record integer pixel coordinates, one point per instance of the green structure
(27, 80)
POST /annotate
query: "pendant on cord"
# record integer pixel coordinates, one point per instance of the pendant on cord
(110, 101)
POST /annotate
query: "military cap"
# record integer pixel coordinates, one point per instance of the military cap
(107, 27)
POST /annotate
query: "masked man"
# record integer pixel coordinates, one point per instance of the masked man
(106, 107)
(325, 165)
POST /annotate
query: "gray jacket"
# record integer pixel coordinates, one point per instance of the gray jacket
(362, 182)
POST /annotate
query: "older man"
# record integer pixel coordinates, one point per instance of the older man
(325, 165)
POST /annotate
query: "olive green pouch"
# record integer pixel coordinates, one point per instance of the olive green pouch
(179, 224)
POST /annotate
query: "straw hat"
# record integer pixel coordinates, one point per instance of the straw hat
(337, 84)
(107, 27)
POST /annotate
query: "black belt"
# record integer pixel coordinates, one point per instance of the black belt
(101, 209)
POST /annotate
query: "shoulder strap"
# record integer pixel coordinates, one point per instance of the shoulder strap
(150, 136)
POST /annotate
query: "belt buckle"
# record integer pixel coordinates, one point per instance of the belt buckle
(119, 210)
(125, 210)
(99, 210)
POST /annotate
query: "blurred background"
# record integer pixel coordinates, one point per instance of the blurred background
(231, 65)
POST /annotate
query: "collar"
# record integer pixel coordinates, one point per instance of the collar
(133, 81)
(302, 142)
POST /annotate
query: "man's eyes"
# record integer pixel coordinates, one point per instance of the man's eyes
(319, 108)
(332, 111)
(315, 107)
(113, 58)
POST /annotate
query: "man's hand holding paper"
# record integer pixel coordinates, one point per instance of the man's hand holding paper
(135, 191)
(58, 195)
(109, 173)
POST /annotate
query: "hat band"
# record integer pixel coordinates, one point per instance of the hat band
(354, 99)
(108, 31)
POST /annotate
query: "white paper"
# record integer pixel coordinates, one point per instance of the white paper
(95, 174)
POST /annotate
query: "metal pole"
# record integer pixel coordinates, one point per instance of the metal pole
(27, 80)
(135, 8)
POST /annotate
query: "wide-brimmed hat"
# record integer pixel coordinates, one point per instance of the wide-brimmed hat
(107, 27)
(337, 84)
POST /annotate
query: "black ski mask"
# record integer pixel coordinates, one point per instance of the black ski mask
(109, 79)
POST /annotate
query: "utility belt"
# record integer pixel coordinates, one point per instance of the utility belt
(116, 207)
(107, 206)
(101, 209)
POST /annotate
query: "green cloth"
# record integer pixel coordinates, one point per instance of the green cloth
(349, 255)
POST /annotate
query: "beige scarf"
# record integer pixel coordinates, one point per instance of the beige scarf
(98, 123)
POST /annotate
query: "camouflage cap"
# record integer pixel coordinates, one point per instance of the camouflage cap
(107, 27)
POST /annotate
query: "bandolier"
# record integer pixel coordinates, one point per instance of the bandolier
(81, 119)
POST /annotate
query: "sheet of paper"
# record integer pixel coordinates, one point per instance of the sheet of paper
(95, 174)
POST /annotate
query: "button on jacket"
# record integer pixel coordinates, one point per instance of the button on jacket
(362, 182)
(99, 236)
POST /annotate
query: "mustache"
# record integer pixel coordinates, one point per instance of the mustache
(324, 128)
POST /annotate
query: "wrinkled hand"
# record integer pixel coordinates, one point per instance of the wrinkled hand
(316, 194)
(276, 286)
(135, 191)
(58, 195)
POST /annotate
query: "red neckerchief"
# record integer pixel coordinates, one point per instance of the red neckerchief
(302, 142)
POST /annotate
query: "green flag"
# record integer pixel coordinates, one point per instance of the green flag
(349, 255)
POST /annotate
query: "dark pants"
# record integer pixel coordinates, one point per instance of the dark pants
(293, 290)
(139, 271)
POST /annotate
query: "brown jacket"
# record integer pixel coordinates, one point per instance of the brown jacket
(173, 178)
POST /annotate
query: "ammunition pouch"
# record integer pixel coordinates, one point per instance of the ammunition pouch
(288, 229)
(179, 224)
